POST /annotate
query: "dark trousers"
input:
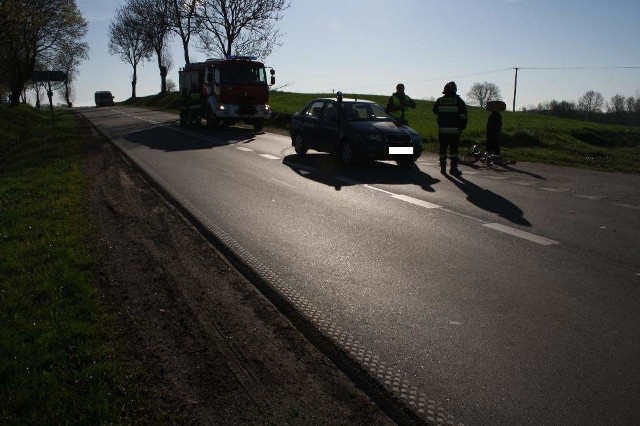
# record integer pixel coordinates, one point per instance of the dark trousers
(449, 141)
(493, 145)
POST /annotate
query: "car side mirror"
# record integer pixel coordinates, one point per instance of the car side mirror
(273, 80)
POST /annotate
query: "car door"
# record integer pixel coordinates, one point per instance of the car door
(329, 128)
(311, 123)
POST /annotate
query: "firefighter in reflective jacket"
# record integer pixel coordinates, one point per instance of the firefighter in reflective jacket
(452, 120)
(399, 102)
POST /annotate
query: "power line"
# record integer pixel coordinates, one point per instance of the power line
(576, 68)
(432, 79)
(496, 71)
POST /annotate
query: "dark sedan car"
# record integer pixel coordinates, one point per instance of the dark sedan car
(354, 129)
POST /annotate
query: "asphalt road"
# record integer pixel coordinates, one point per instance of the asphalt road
(509, 296)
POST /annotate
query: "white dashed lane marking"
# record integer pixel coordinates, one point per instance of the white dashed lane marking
(521, 234)
(425, 204)
(381, 190)
(549, 189)
(590, 197)
(242, 148)
(629, 206)
(416, 201)
(269, 156)
(524, 183)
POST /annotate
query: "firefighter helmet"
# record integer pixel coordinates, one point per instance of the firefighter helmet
(450, 87)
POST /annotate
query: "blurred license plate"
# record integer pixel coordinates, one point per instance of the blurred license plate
(400, 150)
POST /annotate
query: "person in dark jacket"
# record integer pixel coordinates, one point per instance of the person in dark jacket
(494, 128)
(399, 102)
(452, 120)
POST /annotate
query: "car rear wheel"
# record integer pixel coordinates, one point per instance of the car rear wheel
(347, 154)
(299, 145)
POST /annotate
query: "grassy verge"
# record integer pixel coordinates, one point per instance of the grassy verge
(526, 137)
(55, 364)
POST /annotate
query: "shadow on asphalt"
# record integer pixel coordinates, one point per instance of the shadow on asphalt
(327, 169)
(171, 138)
(490, 201)
(502, 169)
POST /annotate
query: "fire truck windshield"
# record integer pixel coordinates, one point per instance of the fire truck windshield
(243, 75)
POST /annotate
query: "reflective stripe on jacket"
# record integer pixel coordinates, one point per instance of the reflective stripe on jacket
(452, 114)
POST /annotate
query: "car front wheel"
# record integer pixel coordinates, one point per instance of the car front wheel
(258, 125)
(347, 154)
(298, 144)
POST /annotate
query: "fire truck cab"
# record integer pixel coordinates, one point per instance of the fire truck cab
(225, 91)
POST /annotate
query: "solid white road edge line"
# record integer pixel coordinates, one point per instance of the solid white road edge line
(521, 234)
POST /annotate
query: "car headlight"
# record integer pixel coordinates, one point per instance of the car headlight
(374, 138)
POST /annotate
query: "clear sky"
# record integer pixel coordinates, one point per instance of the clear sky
(367, 46)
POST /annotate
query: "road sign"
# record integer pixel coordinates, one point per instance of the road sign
(48, 76)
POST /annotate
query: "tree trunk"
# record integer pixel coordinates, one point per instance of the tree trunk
(133, 82)
(163, 79)
(14, 96)
(66, 93)
(185, 46)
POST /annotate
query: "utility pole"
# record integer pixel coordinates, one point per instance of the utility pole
(515, 88)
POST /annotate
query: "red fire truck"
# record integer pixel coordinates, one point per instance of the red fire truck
(225, 91)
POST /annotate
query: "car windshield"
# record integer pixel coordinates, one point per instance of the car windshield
(243, 75)
(365, 111)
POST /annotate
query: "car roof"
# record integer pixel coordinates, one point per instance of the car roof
(345, 100)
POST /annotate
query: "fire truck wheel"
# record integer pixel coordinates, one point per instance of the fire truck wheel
(258, 125)
(211, 119)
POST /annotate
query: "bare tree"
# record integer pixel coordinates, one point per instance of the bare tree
(617, 104)
(32, 30)
(590, 103)
(68, 59)
(481, 93)
(184, 22)
(128, 41)
(243, 27)
(633, 103)
(155, 20)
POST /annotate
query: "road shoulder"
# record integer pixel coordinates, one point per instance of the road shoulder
(211, 346)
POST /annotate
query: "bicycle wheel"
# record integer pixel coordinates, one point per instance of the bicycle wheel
(487, 159)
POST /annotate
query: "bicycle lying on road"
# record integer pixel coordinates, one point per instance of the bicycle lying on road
(479, 153)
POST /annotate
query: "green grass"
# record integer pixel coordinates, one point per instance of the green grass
(526, 137)
(55, 364)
